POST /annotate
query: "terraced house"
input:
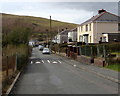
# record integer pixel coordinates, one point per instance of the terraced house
(104, 27)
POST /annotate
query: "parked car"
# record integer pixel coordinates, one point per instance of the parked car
(40, 47)
(46, 51)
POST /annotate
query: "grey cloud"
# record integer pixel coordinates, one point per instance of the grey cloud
(90, 6)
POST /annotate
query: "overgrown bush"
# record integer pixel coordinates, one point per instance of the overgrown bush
(113, 61)
(22, 51)
(59, 47)
(113, 47)
(17, 36)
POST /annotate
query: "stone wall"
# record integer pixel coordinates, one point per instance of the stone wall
(88, 60)
(84, 59)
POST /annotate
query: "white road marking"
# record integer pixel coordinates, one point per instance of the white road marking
(48, 61)
(37, 62)
(42, 61)
(31, 62)
(59, 61)
(54, 62)
(74, 65)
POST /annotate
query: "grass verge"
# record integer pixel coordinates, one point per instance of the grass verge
(115, 67)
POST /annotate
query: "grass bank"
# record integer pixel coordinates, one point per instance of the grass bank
(115, 67)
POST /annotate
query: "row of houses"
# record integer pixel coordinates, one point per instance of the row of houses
(66, 36)
(104, 27)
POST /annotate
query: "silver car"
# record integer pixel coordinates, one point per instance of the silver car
(46, 51)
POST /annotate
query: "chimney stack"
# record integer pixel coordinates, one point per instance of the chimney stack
(101, 11)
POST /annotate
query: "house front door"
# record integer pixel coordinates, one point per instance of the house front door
(86, 38)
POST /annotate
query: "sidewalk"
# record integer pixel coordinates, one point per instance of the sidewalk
(100, 71)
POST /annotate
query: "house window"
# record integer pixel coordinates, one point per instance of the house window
(90, 27)
(81, 28)
(105, 39)
(90, 39)
(118, 26)
(81, 38)
(70, 39)
(100, 39)
(87, 27)
(86, 39)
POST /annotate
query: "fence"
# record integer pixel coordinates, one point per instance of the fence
(11, 65)
(8, 68)
(97, 50)
(94, 51)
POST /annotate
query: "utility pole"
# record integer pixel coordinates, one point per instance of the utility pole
(50, 33)
(58, 43)
(47, 37)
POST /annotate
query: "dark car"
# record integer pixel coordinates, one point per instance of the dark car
(40, 47)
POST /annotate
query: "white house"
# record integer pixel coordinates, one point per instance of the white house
(103, 27)
(72, 35)
(55, 39)
(31, 43)
(61, 37)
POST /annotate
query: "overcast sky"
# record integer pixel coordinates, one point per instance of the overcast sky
(73, 12)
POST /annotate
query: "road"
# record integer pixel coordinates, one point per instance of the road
(52, 74)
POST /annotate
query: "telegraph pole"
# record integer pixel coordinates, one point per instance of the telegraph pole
(47, 37)
(50, 33)
(58, 42)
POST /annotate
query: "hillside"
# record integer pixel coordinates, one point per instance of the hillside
(39, 26)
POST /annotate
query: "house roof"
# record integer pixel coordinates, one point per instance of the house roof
(102, 17)
(65, 32)
(75, 29)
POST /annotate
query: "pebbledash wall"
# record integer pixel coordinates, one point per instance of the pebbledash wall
(94, 28)
(97, 28)
(103, 27)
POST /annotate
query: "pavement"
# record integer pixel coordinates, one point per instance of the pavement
(53, 74)
(100, 71)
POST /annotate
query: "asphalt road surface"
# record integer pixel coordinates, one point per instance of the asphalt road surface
(52, 74)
